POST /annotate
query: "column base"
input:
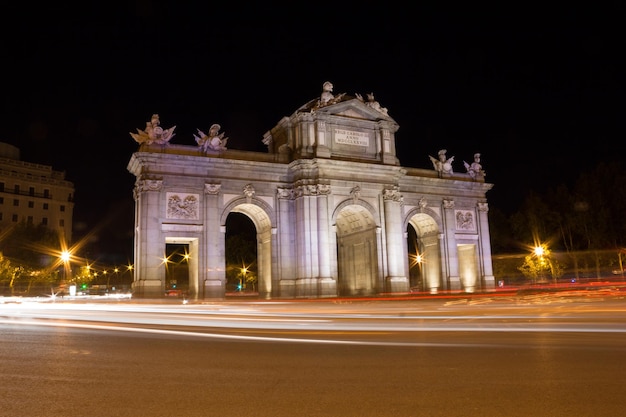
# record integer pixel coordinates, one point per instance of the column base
(489, 283)
(148, 288)
(455, 284)
(397, 284)
(287, 288)
(306, 287)
(326, 287)
(214, 289)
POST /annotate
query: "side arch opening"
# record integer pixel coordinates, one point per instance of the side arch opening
(248, 251)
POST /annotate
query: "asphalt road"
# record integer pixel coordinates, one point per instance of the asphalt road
(529, 356)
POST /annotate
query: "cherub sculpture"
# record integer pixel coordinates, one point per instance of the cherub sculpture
(475, 170)
(443, 165)
(371, 102)
(214, 141)
(154, 133)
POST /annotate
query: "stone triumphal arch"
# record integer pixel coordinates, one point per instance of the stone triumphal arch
(335, 214)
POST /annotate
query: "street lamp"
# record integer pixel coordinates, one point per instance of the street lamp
(116, 270)
(65, 258)
(244, 270)
(416, 260)
(129, 268)
(539, 251)
(67, 275)
(543, 262)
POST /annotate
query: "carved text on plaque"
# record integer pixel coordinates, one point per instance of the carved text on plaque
(352, 137)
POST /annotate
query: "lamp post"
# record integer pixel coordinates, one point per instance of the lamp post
(416, 260)
(244, 270)
(129, 268)
(67, 273)
(543, 261)
(116, 270)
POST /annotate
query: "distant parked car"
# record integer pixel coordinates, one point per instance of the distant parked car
(173, 293)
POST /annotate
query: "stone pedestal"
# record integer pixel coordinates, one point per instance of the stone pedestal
(306, 287)
(214, 289)
(455, 284)
(327, 287)
(287, 288)
(489, 283)
(398, 284)
(148, 288)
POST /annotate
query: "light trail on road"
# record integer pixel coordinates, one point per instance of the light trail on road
(300, 320)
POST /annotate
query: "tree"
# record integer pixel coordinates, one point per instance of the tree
(540, 264)
(6, 273)
(585, 221)
(30, 246)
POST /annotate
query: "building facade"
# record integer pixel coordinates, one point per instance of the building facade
(335, 213)
(34, 193)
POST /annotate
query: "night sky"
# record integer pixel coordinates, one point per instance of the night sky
(539, 91)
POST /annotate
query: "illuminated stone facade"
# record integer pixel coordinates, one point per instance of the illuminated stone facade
(34, 194)
(332, 207)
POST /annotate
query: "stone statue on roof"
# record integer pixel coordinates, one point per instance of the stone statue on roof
(371, 102)
(327, 97)
(327, 93)
(443, 165)
(153, 133)
(214, 141)
(475, 169)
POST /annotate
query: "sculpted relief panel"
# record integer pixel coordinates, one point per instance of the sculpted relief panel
(465, 220)
(182, 206)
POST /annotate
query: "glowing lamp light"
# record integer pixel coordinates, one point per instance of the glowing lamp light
(65, 256)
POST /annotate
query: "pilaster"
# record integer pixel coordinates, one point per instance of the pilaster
(450, 246)
(213, 276)
(489, 281)
(149, 280)
(286, 246)
(396, 279)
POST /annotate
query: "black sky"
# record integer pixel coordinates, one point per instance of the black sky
(538, 90)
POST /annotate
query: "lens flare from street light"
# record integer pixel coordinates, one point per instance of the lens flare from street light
(417, 259)
(66, 256)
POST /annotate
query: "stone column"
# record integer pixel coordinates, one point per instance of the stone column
(485, 247)
(214, 251)
(450, 248)
(286, 247)
(149, 280)
(397, 278)
(306, 242)
(327, 286)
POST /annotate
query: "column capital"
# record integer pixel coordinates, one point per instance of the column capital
(212, 189)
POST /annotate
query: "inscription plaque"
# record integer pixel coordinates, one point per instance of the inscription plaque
(352, 137)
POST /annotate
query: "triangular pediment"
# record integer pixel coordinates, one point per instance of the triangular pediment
(348, 106)
(357, 109)
(337, 126)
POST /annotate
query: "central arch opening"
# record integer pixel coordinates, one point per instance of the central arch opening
(357, 252)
